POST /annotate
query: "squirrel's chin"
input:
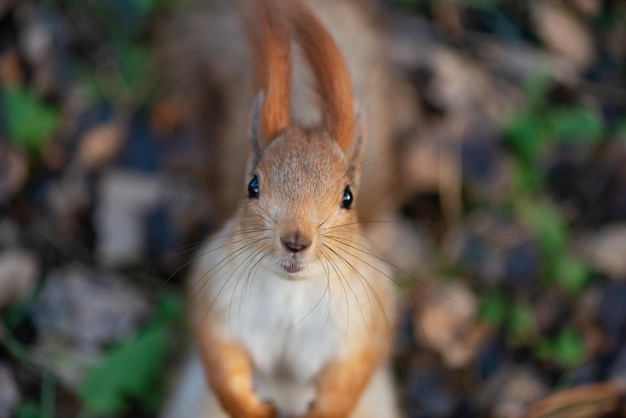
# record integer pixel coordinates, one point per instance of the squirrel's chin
(293, 269)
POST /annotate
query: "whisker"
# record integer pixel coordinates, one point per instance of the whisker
(371, 253)
(248, 260)
(202, 254)
(252, 254)
(223, 259)
(326, 290)
(251, 275)
(221, 264)
(356, 298)
(372, 289)
(329, 260)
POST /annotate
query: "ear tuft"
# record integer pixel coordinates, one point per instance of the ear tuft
(274, 68)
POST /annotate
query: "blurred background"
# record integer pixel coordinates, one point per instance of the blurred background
(511, 184)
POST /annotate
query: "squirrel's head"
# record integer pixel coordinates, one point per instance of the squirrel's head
(301, 180)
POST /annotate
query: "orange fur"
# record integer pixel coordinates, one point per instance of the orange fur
(272, 70)
(229, 371)
(339, 387)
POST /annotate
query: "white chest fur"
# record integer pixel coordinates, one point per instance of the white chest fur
(291, 329)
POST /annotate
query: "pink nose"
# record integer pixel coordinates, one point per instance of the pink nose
(296, 243)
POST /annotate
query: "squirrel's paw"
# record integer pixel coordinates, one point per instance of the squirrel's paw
(256, 409)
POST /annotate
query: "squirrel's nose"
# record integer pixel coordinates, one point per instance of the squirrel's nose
(296, 243)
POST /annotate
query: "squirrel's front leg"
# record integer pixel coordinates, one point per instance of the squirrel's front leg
(229, 372)
(341, 383)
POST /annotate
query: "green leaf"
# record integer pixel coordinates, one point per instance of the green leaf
(571, 273)
(147, 6)
(28, 410)
(569, 349)
(170, 309)
(526, 178)
(566, 349)
(524, 133)
(536, 88)
(575, 124)
(544, 350)
(521, 323)
(547, 223)
(134, 62)
(620, 130)
(14, 314)
(493, 309)
(29, 121)
(127, 372)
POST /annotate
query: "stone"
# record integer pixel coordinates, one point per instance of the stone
(446, 323)
(87, 308)
(510, 391)
(9, 392)
(126, 197)
(606, 250)
(19, 271)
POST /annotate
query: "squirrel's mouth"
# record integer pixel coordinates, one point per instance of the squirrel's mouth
(292, 266)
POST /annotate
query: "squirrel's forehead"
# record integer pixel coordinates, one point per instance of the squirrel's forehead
(297, 156)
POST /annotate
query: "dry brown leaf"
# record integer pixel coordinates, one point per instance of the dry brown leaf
(18, 272)
(586, 7)
(101, 144)
(13, 171)
(563, 33)
(605, 249)
(447, 324)
(10, 68)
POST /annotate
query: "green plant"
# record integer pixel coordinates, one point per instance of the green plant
(493, 309)
(134, 369)
(128, 371)
(517, 318)
(530, 133)
(30, 121)
(565, 350)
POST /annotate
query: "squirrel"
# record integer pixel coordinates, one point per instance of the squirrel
(291, 312)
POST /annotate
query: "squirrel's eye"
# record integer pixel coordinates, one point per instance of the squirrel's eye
(347, 199)
(253, 188)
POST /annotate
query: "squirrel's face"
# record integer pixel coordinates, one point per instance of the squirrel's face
(300, 197)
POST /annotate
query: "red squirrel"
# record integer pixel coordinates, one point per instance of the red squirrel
(291, 313)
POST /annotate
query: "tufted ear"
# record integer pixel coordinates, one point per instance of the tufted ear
(271, 49)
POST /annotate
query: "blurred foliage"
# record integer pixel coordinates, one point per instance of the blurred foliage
(131, 373)
(30, 122)
(530, 132)
(565, 350)
(128, 371)
(135, 369)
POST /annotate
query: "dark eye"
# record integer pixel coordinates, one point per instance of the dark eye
(253, 188)
(347, 199)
